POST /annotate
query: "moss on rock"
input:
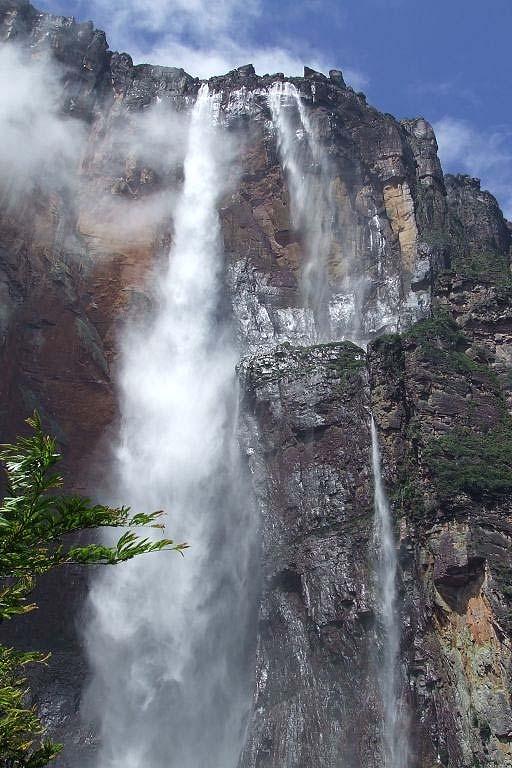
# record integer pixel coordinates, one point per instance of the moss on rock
(477, 464)
(490, 267)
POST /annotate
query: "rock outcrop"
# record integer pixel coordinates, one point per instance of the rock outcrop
(308, 430)
(445, 422)
(430, 257)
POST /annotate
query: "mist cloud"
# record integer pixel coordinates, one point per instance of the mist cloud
(136, 170)
(40, 146)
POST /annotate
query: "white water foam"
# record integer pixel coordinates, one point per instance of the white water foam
(167, 637)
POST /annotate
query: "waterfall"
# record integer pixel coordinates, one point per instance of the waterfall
(311, 202)
(338, 316)
(167, 635)
(394, 728)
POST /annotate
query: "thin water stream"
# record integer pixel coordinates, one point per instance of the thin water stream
(312, 205)
(393, 728)
(314, 216)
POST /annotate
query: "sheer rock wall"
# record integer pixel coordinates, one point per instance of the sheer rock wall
(74, 268)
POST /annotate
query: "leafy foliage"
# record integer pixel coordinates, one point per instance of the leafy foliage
(22, 743)
(36, 531)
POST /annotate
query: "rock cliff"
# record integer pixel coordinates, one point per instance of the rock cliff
(422, 260)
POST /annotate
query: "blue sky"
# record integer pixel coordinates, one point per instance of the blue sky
(449, 60)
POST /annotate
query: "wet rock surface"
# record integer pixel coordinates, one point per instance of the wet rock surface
(307, 437)
(418, 245)
(440, 396)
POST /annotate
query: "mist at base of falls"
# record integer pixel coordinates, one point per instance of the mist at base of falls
(168, 636)
(394, 725)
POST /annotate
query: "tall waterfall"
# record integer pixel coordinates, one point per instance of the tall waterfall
(311, 200)
(167, 637)
(314, 216)
(394, 727)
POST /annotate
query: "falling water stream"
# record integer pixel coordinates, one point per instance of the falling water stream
(312, 205)
(313, 209)
(167, 637)
(394, 729)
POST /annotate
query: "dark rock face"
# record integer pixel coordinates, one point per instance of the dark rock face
(308, 435)
(421, 247)
(479, 235)
(388, 194)
(476, 224)
(80, 48)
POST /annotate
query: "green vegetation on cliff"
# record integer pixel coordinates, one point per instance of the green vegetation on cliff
(440, 327)
(473, 458)
(468, 459)
(350, 360)
(36, 524)
(443, 345)
(478, 464)
(491, 267)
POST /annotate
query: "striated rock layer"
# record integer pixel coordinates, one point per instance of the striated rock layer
(428, 258)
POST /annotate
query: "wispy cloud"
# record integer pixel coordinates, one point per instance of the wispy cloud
(206, 37)
(447, 89)
(488, 155)
(195, 20)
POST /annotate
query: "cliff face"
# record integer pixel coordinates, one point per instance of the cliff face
(308, 415)
(444, 419)
(422, 261)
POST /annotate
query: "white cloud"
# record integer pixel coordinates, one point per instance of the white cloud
(199, 18)
(205, 37)
(206, 62)
(487, 155)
